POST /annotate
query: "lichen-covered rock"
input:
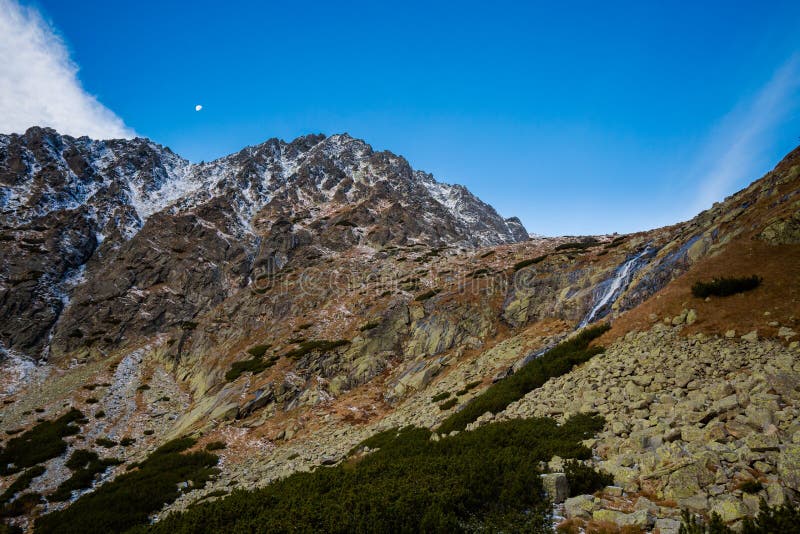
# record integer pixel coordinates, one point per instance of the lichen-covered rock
(556, 486)
(789, 466)
(580, 506)
(729, 508)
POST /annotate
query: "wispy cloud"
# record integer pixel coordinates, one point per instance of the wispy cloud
(39, 83)
(740, 140)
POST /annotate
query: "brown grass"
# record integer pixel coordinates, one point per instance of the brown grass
(777, 299)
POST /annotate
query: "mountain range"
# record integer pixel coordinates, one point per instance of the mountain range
(284, 304)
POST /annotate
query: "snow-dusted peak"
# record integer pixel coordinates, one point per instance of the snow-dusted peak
(125, 182)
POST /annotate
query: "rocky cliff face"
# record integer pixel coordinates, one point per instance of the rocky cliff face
(349, 290)
(109, 240)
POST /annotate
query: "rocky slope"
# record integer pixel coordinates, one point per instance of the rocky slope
(100, 236)
(358, 289)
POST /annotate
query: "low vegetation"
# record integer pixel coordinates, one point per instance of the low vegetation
(617, 241)
(469, 387)
(369, 326)
(585, 480)
(723, 287)
(440, 396)
(428, 294)
(128, 500)
(525, 263)
(85, 466)
(578, 245)
(22, 505)
(486, 480)
(555, 362)
(21, 483)
(307, 347)
(105, 443)
(258, 351)
(255, 365)
(770, 520)
(446, 405)
(39, 444)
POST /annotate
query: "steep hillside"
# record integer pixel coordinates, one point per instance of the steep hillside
(294, 299)
(107, 241)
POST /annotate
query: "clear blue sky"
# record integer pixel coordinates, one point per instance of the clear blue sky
(579, 117)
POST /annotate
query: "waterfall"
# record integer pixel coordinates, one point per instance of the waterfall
(617, 284)
(614, 288)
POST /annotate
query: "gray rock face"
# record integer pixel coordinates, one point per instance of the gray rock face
(108, 240)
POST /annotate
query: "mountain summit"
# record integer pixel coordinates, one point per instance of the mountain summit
(74, 211)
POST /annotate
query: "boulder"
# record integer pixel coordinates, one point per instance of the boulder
(639, 518)
(762, 442)
(556, 486)
(665, 525)
(729, 508)
(751, 336)
(580, 506)
(789, 466)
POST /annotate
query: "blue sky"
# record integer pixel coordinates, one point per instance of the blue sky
(580, 118)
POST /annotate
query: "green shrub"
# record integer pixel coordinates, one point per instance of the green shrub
(478, 273)
(148, 432)
(23, 505)
(723, 287)
(370, 325)
(616, 242)
(39, 444)
(100, 414)
(583, 479)
(448, 404)
(127, 441)
(215, 445)
(85, 466)
(143, 387)
(773, 519)
(487, 254)
(486, 480)
(557, 361)
(10, 529)
(129, 499)
(525, 263)
(21, 483)
(92, 400)
(307, 347)
(255, 365)
(258, 351)
(578, 245)
(469, 387)
(427, 295)
(105, 442)
(770, 520)
(440, 396)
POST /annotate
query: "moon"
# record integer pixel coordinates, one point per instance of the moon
(198, 107)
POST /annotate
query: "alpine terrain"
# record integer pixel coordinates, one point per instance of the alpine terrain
(313, 336)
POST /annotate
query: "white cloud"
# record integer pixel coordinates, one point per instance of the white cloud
(740, 140)
(39, 85)
(198, 107)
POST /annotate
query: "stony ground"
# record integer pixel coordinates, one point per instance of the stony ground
(689, 421)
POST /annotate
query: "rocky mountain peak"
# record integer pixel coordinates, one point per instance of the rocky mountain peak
(75, 211)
